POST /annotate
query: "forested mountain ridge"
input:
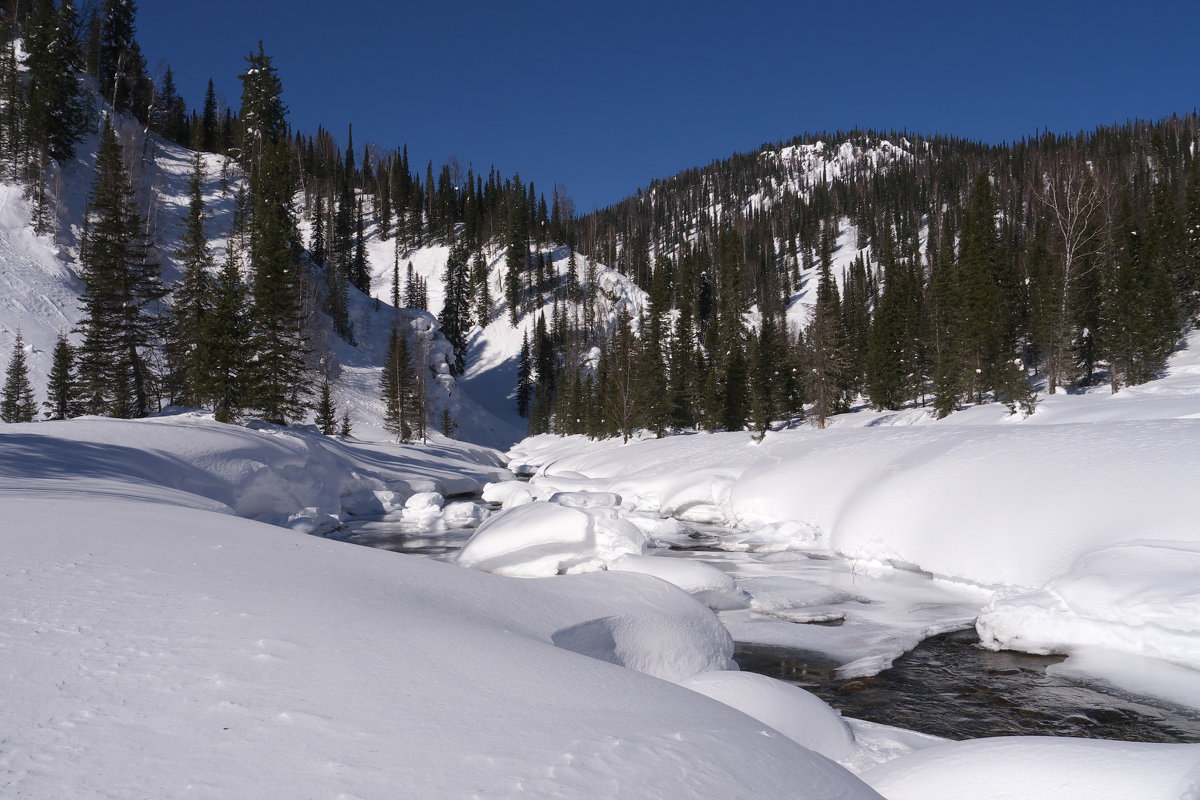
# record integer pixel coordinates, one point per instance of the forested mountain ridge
(977, 272)
(804, 279)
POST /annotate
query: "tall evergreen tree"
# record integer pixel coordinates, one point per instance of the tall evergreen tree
(277, 329)
(121, 288)
(826, 356)
(188, 346)
(210, 125)
(17, 403)
(263, 115)
(327, 415)
(169, 118)
(277, 336)
(455, 317)
(122, 67)
(62, 390)
(227, 336)
(398, 387)
(55, 111)
(981, 322)
(524, 377)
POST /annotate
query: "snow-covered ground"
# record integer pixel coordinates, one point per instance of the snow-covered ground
(159, 639)
(1078, 522)
(155, 644)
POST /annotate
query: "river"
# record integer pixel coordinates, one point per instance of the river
(906, 645)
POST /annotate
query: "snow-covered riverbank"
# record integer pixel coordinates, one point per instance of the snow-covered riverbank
(160, 640)
(156, 645)
(1080, 518)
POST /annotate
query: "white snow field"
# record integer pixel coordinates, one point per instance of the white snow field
(1070, 531)
(152, 644)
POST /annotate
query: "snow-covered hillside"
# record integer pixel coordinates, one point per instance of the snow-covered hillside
(40, 285)
(494, 349)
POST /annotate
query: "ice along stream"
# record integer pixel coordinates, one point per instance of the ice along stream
(885, 645)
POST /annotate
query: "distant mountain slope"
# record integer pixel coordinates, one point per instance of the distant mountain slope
(40, 283)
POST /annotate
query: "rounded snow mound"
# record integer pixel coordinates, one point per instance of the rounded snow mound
(666, 646)
(799, 715)
(540, 539)
(707, 584)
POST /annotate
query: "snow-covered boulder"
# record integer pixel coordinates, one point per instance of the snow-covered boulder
(586, 499)
(539, 539)
(463, 514)
(707, 584)
(799, 715)
(508, 494)
(670, 647)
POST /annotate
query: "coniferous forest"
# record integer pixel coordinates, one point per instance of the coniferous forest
(976, 273)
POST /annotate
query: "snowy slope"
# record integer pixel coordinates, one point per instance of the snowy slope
(494, 348)
(40, 284)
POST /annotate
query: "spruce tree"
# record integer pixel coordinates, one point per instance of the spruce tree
(121, 288)
(62, 391)
(192, 301)
(825, 337)
(209, 123)
(398, 388)
(263, 115)
(327, 416)
(277, 340)
(227, 333)
(55, 111)
(524, 377)
(17, 403)
(277, 334)
(122, 67)
(481, 290)
(981, 322)
(169, 117)
(455, 318)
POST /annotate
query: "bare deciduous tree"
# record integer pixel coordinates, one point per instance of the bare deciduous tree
(1075, 200)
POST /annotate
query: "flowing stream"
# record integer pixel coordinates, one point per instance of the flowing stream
(946, 685)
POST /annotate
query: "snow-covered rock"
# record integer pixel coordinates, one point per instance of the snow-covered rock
(707, 584)
(799, 715)
(539, 539)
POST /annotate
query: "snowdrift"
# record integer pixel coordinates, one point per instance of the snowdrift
(156, 644)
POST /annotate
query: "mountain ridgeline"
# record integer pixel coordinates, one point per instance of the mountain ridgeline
(807, 278)
(964, 272)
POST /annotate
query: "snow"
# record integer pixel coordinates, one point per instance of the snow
(170, 627)
(155, 644)
(1070, 529)
(539, 539)
(1037, 768)
(802, 717)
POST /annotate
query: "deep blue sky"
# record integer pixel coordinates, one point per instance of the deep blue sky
(605, 96)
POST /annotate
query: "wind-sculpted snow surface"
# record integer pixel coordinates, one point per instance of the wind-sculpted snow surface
(157, 645)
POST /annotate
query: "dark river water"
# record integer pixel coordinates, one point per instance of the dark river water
(946, 686)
